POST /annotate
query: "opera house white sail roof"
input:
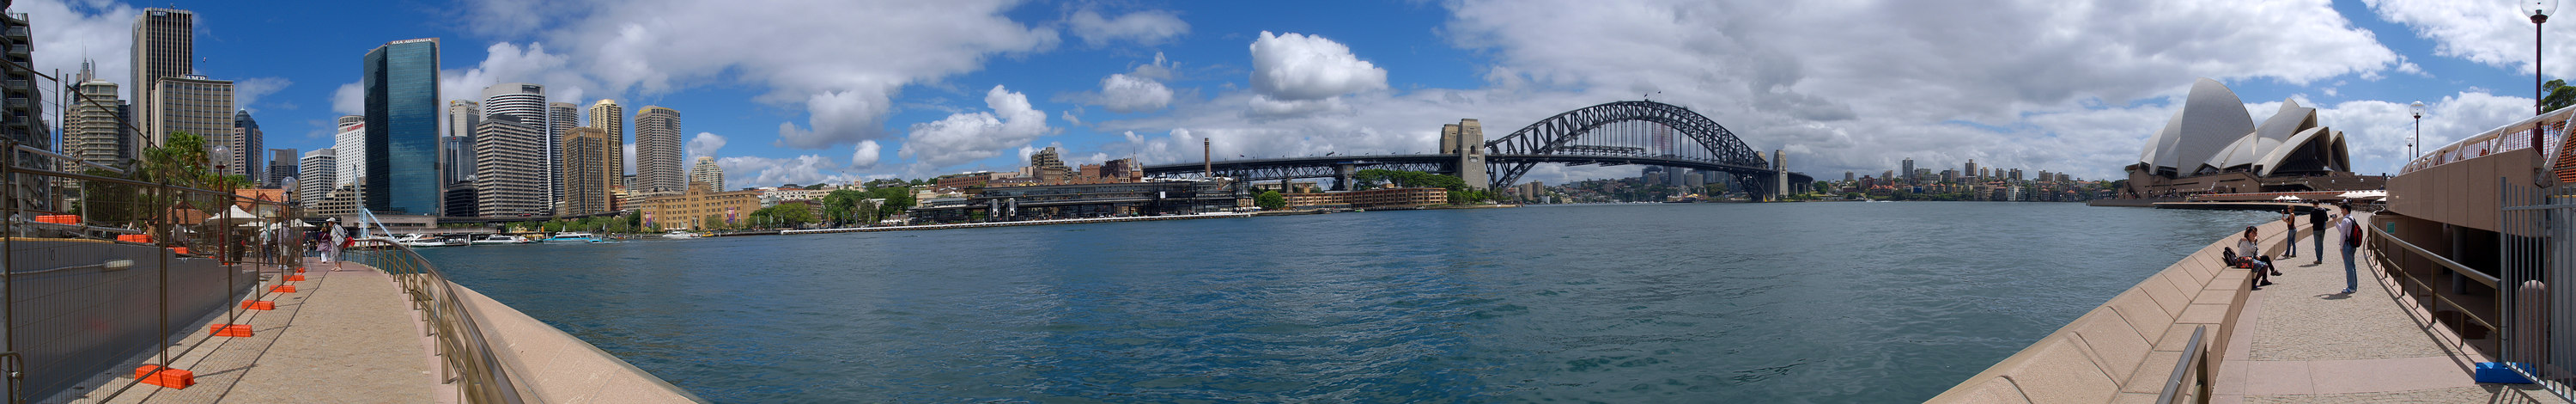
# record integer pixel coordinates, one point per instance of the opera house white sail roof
(2213, 134)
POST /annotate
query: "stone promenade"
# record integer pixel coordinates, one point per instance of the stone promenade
(2304, 341)
(341, 337)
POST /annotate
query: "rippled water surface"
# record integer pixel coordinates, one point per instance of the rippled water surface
(1827, 302)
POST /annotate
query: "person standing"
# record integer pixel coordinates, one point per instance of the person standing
(2290, 225)
(2317, 220)
(2351, 231)
(332, 237)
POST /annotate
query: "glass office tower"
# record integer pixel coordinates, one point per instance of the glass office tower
(402, 128)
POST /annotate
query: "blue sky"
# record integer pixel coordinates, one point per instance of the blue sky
(789, 91)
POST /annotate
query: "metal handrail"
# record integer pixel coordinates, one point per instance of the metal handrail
(467, 357)
(2481, 277)
(2382, 237)
(2183, 370)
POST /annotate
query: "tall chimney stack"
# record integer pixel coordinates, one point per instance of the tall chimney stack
(1207, 162)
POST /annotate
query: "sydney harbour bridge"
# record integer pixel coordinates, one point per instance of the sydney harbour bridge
(1643, 133)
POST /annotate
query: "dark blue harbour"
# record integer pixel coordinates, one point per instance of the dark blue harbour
(1829, 302)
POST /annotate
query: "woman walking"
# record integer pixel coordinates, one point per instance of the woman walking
(332, 237)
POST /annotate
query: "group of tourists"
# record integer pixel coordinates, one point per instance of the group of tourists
(2251, 256)
(329, 240)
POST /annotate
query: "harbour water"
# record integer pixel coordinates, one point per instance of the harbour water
(1794, 302)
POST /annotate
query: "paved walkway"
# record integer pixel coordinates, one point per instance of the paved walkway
(2303, 341)
(341, 337)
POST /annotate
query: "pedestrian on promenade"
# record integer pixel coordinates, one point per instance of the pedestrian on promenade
(332, 237)
(2351, 231)
(2252, 258)
(2290, 223)
(2317, 220)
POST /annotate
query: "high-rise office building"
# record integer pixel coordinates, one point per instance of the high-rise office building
(609, 117)
(1909, 171)
(198, 106)
(281, 166)
(456, 148)
(561, 117)
(22, 119)
(165, 46)
(1971, 170)
(94, 126)
(246, 144)
(707, 172)
(313, 181)
(508, 160)
(401, 82)
(587, 177)
(657, 152)
(351, 151)
(523, 100)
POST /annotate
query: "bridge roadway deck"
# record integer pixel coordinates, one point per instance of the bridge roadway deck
(341, 337)
(2303, 341)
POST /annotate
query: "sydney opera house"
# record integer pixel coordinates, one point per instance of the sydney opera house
(2212, 146)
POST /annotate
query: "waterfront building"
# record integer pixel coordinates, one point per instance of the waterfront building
(401, 83)
(586, 172)
(196, 105)
(165, 46)
(350, 145)
(690, 210)
(2212, 145)
(246, 144)
(281, 167)
(1068, 201)
(561, 117)
(456, 150)
(460, 200)
(341, 201)
(1970, 170)
(608, 116)
(94, 122)
(658, 151)
(968, 180)
(1910, 175)
(315, 179)
(706, 172)
(1048, 167)
(508, 168)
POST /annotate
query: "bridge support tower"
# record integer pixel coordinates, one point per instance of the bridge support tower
(1342, 174)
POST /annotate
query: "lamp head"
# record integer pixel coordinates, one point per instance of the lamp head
(2539, 10)
(2417, 108)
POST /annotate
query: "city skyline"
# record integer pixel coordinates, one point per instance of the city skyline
(982, 84)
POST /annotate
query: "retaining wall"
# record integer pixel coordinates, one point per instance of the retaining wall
(2125, 349)
(560, 368)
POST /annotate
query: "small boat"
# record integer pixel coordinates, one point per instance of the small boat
(501, 239)
(680, 234)
(423, 240)
(571, 237)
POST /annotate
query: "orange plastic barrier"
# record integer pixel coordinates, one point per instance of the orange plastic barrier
(229, 330)
(134, 238)
(58, 219)
(179, 250)
(259, 305)
(165, 377)
(283, 289)
(293, 278)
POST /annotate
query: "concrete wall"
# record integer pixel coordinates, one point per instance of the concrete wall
(560, 368)
(2463, 193)
(2125, 349)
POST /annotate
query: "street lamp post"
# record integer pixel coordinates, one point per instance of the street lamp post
(2412, 142)
(2539, 11)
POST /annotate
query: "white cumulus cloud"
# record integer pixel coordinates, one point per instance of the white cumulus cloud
(1297, 67)
(866, 154)
(965, 137)
(705, 144)
(1143, 27)
(247, 92)
(1124, 93)
(769, 172)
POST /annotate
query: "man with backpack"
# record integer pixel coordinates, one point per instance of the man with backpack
(2351, 231)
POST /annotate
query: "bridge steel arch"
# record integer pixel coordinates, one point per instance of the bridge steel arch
(1602, 134)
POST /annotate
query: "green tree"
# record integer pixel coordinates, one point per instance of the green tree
(784, 215)
(2560, 95)
(712, 222)
(842, 206)
(1270, 200)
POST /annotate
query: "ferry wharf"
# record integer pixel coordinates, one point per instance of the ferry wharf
(2197, 332)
